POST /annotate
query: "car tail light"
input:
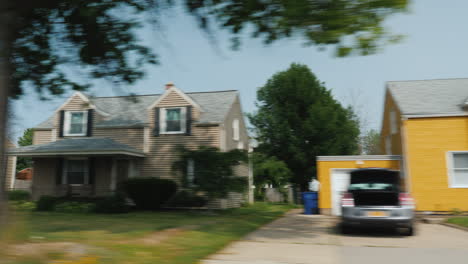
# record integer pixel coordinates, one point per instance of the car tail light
(406, 199)
(347, 200)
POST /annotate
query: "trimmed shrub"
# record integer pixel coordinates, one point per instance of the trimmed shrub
(149, 193)
(19, 195)
(73, 207)
(187, 199)
(46, 203)
(115, 204)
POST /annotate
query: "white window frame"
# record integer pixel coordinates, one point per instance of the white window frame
(183, 120)
(235, 129)
(451, 169)
(393, 122)
(67, 123)
(190, 172)
(65, 172)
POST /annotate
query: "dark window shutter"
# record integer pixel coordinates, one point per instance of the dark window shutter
(92, 170)
(156, 122)
(61, 122)
(59, 172)
(188, 125)
(89, 130)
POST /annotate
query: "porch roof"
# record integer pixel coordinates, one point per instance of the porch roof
(77, 147)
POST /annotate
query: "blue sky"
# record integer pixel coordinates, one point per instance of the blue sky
(436, 46)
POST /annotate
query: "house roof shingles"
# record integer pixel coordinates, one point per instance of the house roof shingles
(430, 97)
(78, 146)
(123, 111)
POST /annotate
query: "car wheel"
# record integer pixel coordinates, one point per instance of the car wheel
(345, 229)
(410, 231)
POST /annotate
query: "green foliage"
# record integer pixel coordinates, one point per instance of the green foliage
(49, 39)
(22, 205)
(98, 37)
(370, 143)
(456, 211)
(298, 119)
(187, 199)
(18, 195)
(46, 203)
(25, 140)
(114, 204)
(73, 207)
(269, 170)
(149, 193)
(350, 26)
(107, 205)
(213, 170)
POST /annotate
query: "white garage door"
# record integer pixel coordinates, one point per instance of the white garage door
(339, 185)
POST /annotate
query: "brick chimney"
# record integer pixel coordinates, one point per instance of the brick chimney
(169, 85)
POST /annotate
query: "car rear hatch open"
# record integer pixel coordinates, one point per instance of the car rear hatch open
(375, 187)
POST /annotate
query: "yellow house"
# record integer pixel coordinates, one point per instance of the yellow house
(425, 128)
(426, 122)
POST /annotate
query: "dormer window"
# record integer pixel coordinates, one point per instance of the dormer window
(75, 123)
(173, 120)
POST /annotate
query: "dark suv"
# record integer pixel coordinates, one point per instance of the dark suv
(374, 199)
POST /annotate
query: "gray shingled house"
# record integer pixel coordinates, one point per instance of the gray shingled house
(90, 144)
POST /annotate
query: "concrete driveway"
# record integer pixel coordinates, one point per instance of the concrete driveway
(298, 238)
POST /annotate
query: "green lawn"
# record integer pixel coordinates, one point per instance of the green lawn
(462, 221)
(144, 237)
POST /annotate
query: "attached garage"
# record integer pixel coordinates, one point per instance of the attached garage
(333, 174)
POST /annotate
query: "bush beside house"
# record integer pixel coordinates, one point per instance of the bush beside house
(19, 195)
(149, 193)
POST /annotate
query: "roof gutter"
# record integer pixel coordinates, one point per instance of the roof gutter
(433, 115)
(358, 157)
(73, 153)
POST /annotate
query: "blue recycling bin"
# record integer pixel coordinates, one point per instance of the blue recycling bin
(310, 200)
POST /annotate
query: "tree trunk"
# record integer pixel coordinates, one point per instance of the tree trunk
(6, 18)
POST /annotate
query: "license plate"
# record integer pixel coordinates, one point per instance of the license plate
(376, 214)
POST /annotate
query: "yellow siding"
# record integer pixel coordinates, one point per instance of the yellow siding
(324, 169)
(396, 137)
(428, 140)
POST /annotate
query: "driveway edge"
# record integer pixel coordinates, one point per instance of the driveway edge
(455, 226)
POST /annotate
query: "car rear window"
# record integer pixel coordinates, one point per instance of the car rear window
(374, 179)
(373, 186)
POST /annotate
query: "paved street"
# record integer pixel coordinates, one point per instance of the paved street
(299, 238)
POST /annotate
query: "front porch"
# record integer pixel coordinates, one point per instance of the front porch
(90, 167)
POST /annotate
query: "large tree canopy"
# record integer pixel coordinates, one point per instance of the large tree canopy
(48, 38)
(298, 119)
(96, 37)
